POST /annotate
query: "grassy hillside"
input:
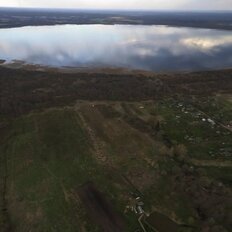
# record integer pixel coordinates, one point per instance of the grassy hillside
(79, 166)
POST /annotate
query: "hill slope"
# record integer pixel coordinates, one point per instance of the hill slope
(77, 149)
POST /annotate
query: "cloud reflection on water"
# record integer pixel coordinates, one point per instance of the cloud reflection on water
(141, 47)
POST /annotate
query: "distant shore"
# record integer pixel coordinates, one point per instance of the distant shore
(40, 17)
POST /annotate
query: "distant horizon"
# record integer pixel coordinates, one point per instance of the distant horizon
(142, 5)
(109, 9)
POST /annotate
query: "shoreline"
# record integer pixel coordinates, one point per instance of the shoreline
(21, 65)
(226, 28)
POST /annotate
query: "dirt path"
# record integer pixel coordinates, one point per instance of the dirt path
(97, 144)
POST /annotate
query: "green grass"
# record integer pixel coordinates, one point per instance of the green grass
(46, 153)
(49, 155)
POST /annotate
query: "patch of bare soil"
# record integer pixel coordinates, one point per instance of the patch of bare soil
(97, 144)
(100, 210)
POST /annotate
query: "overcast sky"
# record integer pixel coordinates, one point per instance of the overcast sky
(125, 4)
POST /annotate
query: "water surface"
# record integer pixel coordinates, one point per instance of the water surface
(157, 48)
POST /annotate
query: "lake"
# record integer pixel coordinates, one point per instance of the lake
(157, 48)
